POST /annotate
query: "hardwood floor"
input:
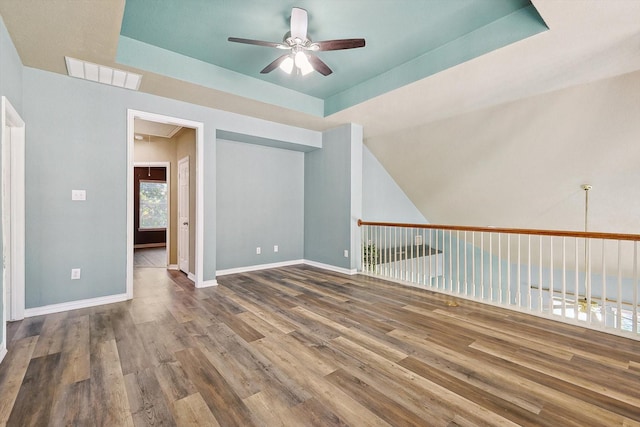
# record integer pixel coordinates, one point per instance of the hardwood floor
(150, 257)
(299, 346)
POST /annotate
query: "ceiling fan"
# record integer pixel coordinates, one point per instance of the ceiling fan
(301, 47)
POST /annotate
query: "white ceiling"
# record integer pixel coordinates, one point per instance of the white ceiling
(588, 40)
(164, 130)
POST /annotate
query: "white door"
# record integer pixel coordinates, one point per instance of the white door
(183, 214)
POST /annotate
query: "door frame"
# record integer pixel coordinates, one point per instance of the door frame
(14, 309)
(199, 128)
(167, 168)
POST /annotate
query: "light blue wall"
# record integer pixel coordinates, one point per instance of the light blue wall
(260, 204)
(382, 199)
(327, 199)
(76, 139)
(11, 88)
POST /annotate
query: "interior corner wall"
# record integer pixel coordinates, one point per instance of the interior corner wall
(382, 198)
(327, 199)
(355, 211)
(260, 204)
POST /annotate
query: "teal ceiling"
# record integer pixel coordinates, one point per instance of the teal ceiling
(406, 40)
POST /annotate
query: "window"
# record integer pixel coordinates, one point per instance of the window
(153, 205)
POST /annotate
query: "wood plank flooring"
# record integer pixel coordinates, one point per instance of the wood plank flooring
(150, 257)
(298, 346)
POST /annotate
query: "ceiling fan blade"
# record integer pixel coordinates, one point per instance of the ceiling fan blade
(319, 66)
(258, 42)
(299, 21)
(275, 64)
(339, 44)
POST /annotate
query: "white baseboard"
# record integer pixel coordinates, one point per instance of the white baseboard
(191, 277)
(172, 267)
(74, 305)
(3, 352)
(331, 267)
(258, 267)
(286, 264)
(207, 284)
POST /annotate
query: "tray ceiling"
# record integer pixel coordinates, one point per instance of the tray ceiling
(407, 40)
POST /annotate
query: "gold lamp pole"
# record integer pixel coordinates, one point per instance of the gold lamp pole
(585, 302)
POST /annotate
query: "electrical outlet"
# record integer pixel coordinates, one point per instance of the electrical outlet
(75, 274)
(79, 195)
(275, 248)
(258, 250)
(419, 240)
(346, 253)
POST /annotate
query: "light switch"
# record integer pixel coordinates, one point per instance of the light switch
(80, 195)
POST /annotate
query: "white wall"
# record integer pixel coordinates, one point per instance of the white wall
(382, 198)
(521, 164)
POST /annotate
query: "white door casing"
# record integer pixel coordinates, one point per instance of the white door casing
(6, 219)
(183, 214)
(199, 192)
(13, 194)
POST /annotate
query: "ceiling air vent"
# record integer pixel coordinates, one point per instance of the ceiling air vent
(102, 74)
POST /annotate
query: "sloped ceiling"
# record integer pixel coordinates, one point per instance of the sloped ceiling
(522, 164)
(476, 143)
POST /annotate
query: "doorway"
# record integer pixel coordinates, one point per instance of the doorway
(152, 214)
(136, 120)
(13, 231)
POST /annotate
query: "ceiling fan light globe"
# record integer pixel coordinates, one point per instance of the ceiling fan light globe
(306, 69)
(302, 62)
(287, 65)
(301, 59)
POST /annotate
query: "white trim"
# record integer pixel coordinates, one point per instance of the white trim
(199, 127)
(3, 353)
(74, 305)
(167, 166)
(172, 267)
(190, 276)
(207, 284)
(12, 120)
(331, 267)
(199, 248)
(258, 267)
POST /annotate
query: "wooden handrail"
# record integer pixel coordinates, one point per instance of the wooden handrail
(559, 233)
